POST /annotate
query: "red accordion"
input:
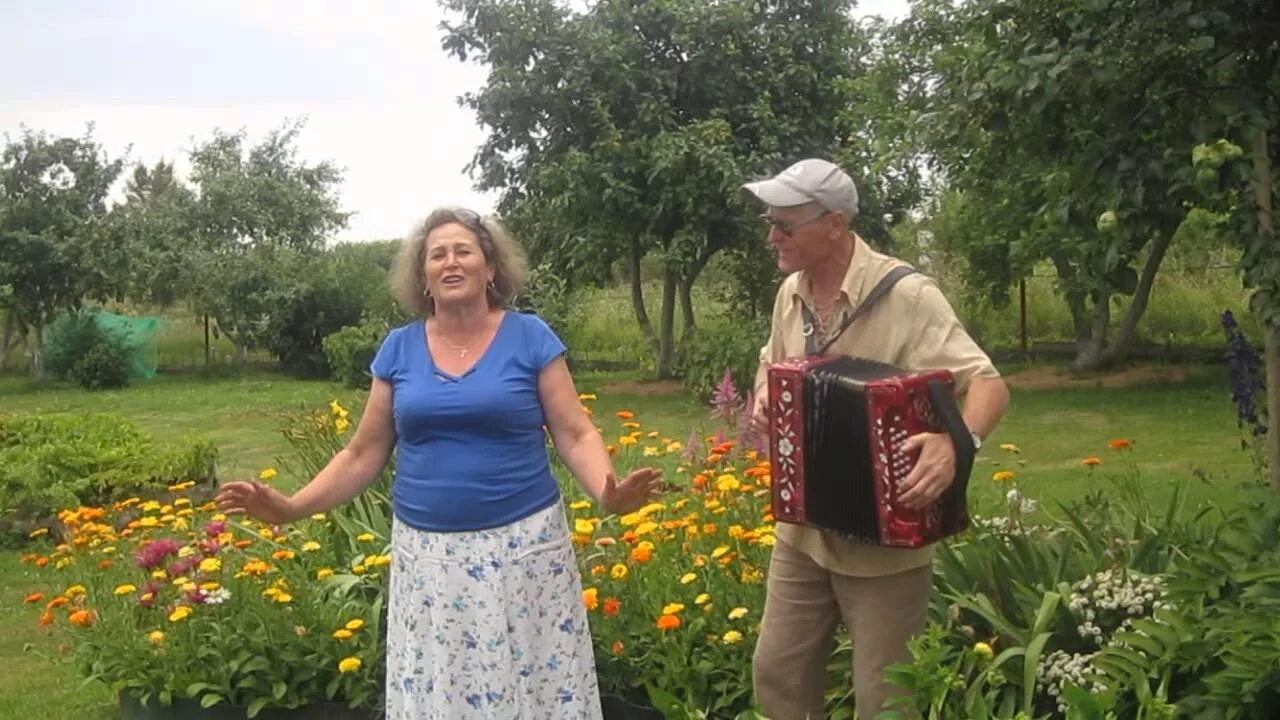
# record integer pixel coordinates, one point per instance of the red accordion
(835, 424)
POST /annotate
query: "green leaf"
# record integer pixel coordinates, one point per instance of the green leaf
(256, 707)
(208, 700)
(1202, 43)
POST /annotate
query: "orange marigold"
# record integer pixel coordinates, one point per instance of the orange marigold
(625, 414)
(1091, 461)
(34, 597)
(83, 618)
(611, 606)
(1120, 443)
(641, 554)
(668, 622)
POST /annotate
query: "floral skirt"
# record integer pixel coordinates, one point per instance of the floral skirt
(489, 624)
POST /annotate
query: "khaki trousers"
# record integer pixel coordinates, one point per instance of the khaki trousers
(804, 604)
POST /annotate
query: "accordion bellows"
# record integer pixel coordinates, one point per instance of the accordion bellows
(835, 427)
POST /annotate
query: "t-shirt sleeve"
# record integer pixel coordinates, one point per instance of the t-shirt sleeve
(941, 340)
(387, 360)
(542, 343)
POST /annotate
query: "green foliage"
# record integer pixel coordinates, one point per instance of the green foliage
(53, 461)
(55, 247)
(314, 439)
(550, 295)
(722, 345)
(314, 297)
(104, 366)
(625, 130)
(349, 351)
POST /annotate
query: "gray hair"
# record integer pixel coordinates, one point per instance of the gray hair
(506, 257)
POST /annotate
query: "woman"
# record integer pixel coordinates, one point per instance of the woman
(486, 617)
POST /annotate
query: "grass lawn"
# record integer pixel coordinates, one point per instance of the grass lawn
(1182, 425)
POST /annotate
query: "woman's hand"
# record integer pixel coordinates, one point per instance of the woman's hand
(256, 500)
(632, 492)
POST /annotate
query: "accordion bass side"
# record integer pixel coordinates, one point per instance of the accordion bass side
(835, 424)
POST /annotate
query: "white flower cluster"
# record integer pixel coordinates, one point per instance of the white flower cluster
(218, 596)
(1110, 600)
(1060, 667)
(1021, 503)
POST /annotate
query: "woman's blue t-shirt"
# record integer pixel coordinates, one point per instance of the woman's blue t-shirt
(470, 449)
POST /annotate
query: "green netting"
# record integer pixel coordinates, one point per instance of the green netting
(68, 336)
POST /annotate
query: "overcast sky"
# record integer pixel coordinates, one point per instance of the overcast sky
(369, 78)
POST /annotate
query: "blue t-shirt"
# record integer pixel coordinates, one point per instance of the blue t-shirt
(470, 449)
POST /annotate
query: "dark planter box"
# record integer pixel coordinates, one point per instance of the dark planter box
(618, 708)
(184, 709)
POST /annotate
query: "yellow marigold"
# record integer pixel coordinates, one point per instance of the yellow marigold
(627, 440)
(155, 637)
(125, 589)
(619, 571)
(349, 664)
(731, 637)
(74, 590)
(210, 565)
(354, 624)
(737, 613)
(688, 578)
(727, 483)
(366, 537)
(377, 560)
(583, 527)
(580, 504)
(179, 613)
(284, 597)
(1010, 447)
(672, 608)
(702, 599)
(310, 546)
(323, 573)
(721, 550)
(1002, 475)
(267, 473)
(586, 396)
(342, 633)
(590, 598)
(646, 527)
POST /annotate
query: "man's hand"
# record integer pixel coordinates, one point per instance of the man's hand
(934, 471)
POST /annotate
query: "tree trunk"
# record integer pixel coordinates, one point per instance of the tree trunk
(686, 295)
(1116, 349)
(1089, 350)
(637, 299)
(666, 350)
(1075, 302)
(36, 352)
(12, 336)
(1262, 189)
(241, 356)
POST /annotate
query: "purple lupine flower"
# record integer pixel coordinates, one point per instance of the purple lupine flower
(725, 399)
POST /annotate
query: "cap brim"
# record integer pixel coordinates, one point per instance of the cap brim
(776, 194)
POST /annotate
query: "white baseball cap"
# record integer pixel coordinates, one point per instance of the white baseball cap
(812, 180)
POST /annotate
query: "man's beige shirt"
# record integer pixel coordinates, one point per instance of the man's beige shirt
(912, 327)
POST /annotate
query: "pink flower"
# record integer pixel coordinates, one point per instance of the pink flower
(215, 528)
(153, 554)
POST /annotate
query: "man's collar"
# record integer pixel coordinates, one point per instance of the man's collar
(854, 275)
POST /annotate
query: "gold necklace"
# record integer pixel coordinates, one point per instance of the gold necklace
(462, 349)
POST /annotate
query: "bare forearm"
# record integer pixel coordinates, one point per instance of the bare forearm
(585, 455)
(346, 475)
(985, 404)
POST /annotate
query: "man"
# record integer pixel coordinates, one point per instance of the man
(817, 579)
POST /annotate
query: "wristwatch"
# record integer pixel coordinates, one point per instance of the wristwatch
(977, 440)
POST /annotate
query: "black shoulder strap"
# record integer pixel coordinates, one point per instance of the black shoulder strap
(881, 289)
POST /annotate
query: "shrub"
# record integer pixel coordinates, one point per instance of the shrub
(65, 460)
(104, 366)
(349, 351)
(78, 349)
(720, 346)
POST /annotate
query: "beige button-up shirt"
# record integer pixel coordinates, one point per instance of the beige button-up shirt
(912, 327)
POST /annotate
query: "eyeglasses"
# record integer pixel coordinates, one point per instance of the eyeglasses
(787, 228)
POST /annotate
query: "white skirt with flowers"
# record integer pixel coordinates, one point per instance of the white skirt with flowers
(489, 624)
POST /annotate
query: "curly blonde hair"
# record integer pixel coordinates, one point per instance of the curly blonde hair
(506, 257)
